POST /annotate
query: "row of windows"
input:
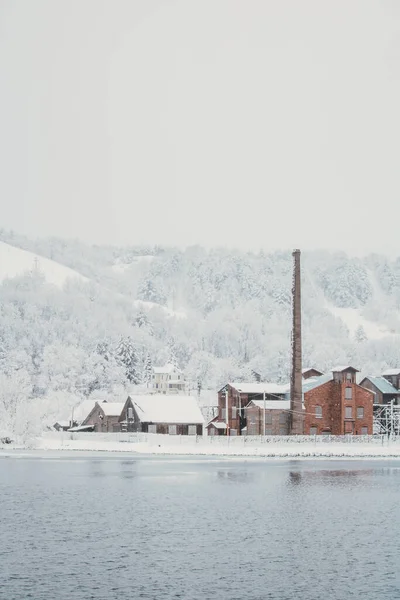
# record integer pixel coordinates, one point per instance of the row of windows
(348, 412)
(166, 377)
(314, 431)
(192, 429)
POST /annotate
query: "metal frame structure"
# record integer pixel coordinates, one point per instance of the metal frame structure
(387, 419)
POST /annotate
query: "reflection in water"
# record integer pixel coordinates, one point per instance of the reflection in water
(325, 475)
(127, 469)
(235, 476)
(96, 468)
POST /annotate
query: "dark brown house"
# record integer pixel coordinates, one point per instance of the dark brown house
(335, 404)
(393, 376)
(311, 372)
(384, 391)
(153, 413)
(105, 417)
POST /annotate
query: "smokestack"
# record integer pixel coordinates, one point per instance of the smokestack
(296, 382)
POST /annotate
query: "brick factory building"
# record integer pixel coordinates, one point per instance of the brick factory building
(240, 409)
(335, 404)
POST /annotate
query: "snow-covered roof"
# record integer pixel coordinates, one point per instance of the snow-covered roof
(311, 369)
(159, 408)
(314, 382)
(83, 409)
(218, 424)
(342, 368)
(168, 368)
(82, 428)
(382, 384)
(112, 409)
(260, 388)
(272, 404)
(62, 423)
(394, 371)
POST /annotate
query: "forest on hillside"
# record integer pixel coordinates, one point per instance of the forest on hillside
(218, 314)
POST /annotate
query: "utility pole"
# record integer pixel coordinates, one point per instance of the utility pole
(296, 381)
(264, 414)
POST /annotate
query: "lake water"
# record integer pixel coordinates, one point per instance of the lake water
(116, 527)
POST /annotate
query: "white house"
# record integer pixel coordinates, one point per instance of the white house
(168, 380)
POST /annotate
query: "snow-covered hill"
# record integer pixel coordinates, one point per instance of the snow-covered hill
(15, 262)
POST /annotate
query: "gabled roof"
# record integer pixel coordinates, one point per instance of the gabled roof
(217, 424)
(112, 409)
(382, 384)
(314, 382)
(343, 368)
(311, 369)
(168, 368)
(394, 371)
(159, 408)
(260, 388)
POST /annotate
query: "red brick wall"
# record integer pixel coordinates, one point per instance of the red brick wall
(234, 400)
(331, 396)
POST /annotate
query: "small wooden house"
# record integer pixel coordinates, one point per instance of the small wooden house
(311, 372)
(173, 415)
(383, 389)
(105, 417)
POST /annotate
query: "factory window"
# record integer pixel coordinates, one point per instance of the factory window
(192, 430)
(348, 393)
(268, 418)
(152, 428)
(233, 412)
(348, 412)
(313, 430)
(318, 412)
(364, 430)
(268, 431)
(348, 376)
(282, 431)
(360, 412)
(172, 429)
(282, 418)
(130, 412)
(223, 414)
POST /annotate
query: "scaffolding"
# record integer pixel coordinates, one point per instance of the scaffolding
(387, 419)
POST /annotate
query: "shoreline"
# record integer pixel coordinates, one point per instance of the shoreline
(274, 450)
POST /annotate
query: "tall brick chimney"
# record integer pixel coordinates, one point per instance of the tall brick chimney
(296, 381)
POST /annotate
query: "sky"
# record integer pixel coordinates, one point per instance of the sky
(241, 123)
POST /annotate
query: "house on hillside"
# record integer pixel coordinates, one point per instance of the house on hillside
(393, 376)
(104, 417)
(168, 379)
(311, 372)
(241, 406)
(335, 404)
(384, 391)
(173, 415)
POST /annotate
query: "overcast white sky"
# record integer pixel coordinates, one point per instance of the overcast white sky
(250, 123)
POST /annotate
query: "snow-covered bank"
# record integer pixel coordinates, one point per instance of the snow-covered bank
(273, 446)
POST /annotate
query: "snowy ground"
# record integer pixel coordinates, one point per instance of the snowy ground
(14, 262)
(273, 446)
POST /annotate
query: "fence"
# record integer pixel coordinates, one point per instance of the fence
(156, 439)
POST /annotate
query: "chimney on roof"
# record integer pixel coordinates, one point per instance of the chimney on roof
(296, 380)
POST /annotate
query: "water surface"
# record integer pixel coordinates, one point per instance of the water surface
(115, 527)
